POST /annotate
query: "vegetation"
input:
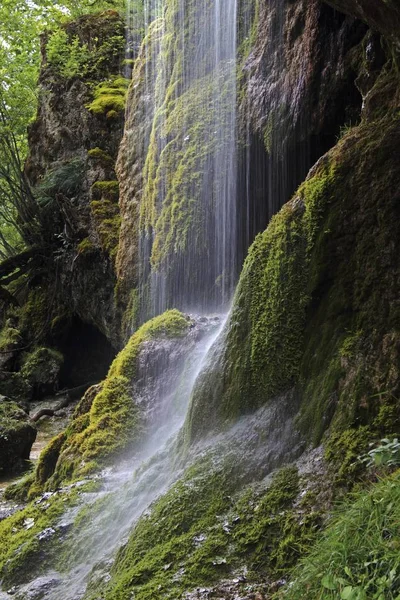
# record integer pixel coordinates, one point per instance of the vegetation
(109, 97)
(20, 27)
(29, 538)
(357, 557)
(203, 529)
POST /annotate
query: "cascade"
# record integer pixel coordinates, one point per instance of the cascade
(187, 244)
(187, 231)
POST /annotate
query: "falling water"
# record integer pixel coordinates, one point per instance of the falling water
(167, 371)
(187, 235)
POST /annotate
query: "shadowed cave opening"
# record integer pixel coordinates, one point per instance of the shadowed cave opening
(87, 354)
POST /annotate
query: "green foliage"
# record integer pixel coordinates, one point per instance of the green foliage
(69, 57)
(386, 454)
(357, 557)
(65, 178)
(90, 47)
(109, 97)
(87, 47)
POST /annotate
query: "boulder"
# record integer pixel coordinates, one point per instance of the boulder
(17, 435)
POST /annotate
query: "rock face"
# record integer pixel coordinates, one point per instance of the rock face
(62, 327)
(298, 90)
(72, 153)
(17, 435)
(380, 15)
(316, 307)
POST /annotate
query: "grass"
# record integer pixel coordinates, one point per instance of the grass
(358, 556)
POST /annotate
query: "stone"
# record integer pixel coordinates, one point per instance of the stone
(17, 435)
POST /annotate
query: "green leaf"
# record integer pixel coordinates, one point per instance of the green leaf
(328, 582)
(347, 593)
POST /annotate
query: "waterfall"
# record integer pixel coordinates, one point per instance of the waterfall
(187, 232)
(187, 254)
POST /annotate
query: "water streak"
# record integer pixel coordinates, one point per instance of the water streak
(187, 237)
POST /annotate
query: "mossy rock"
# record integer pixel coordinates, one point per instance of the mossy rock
(316, 307)
(204, 529)
(41, 368)
(29, 539)
(109, 97)
(17, 435)
(15, 386)
(107, 420)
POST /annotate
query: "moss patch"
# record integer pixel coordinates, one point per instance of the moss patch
(109, 97)
(29, 538)
(106, 214)
(201, 531)
(41, 367)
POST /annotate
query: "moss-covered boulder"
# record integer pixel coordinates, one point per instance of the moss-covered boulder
(14, 385)
(17, 435)
(41, 369)
(108, 420)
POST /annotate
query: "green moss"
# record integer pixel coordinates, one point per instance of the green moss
(201, 531)
(41, 367)
(265, 334)
(15, 386)
(19, 491)
(86, 246)
(107, 420)
(108, 223)
(108, 190)
(35, 314)
(106, 214)
(343, 450)
(10, 337)
(22, 552)
(100, 155)
(109, 96)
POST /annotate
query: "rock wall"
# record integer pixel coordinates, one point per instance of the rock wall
(73, 146)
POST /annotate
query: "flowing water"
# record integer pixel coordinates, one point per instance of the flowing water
(256, 444)
(187, 235)
(167, 371)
